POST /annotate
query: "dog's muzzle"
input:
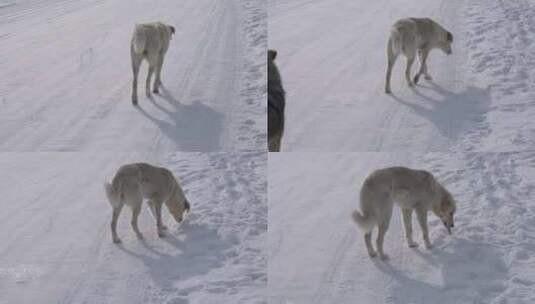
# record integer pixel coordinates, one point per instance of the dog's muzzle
(448, 227)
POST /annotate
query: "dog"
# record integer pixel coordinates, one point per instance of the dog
(412, 35)
(150, 41)
(276, 104)
(134, 182)
(412, 190)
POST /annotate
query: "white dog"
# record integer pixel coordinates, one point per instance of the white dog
(150, 41)
(411, 190)
(410, 35)
(134, 182)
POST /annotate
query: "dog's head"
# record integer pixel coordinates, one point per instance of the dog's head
(176, 207)
(445, 45)
(446, 210)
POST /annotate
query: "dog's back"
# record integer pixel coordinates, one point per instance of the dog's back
(409, 34)
(141, 179)
(397, 185)
(150, 39)
(276, 104)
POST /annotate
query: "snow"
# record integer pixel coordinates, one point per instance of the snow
(332, 58)
(56, 240)
(471, 127)
(317, 255)
(67, 124)
(66, 82)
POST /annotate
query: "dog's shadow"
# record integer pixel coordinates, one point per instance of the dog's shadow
(191, 127)
(452, 113)
(471, 270)
(193, 250)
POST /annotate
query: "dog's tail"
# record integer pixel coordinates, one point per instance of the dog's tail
(113, 194)
(396, 40)
(139, 40)
(366, 223)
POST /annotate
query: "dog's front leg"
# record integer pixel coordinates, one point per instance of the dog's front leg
(407, 223)
(423, 53)
(383, 227)
(159, 224)
(422, 219)
(152, 208)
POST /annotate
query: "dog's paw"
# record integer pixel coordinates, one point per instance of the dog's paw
(161, 234)
(428, 77)
(117, 240)
(428, 246)
(164, 227)
(416, 79)
(156, 91)
(372, 254)
(410, 84)
(139, 236)
(388, 91)
(413, 245)
(134, 101)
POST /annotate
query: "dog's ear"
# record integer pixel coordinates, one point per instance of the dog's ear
(172, 29)
(272, 54)
(449, 37)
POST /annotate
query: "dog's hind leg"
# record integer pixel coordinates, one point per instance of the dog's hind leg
(369, 246)
(407, 223)
(115, 216)
(136, 63)
(410, 61)
(135, 214)
(422, 219)
(383, 227)
(149, 78)
(158, 80)
(391, 61)
(159, 224)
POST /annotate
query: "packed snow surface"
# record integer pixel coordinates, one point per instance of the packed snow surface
(317, 254)
(332, 58)
(56, 239)
(65, 81)
(472, 127)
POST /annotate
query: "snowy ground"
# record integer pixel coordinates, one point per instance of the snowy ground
(66, 76)
(67, 124)
(317, 255)
(332, 57)
(479, 108)
(56, 243)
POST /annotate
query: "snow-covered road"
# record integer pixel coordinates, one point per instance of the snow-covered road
(56, 242)
(67, 124)
(66, 78)
(332, 58)
(317, 255)
(472, 127)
